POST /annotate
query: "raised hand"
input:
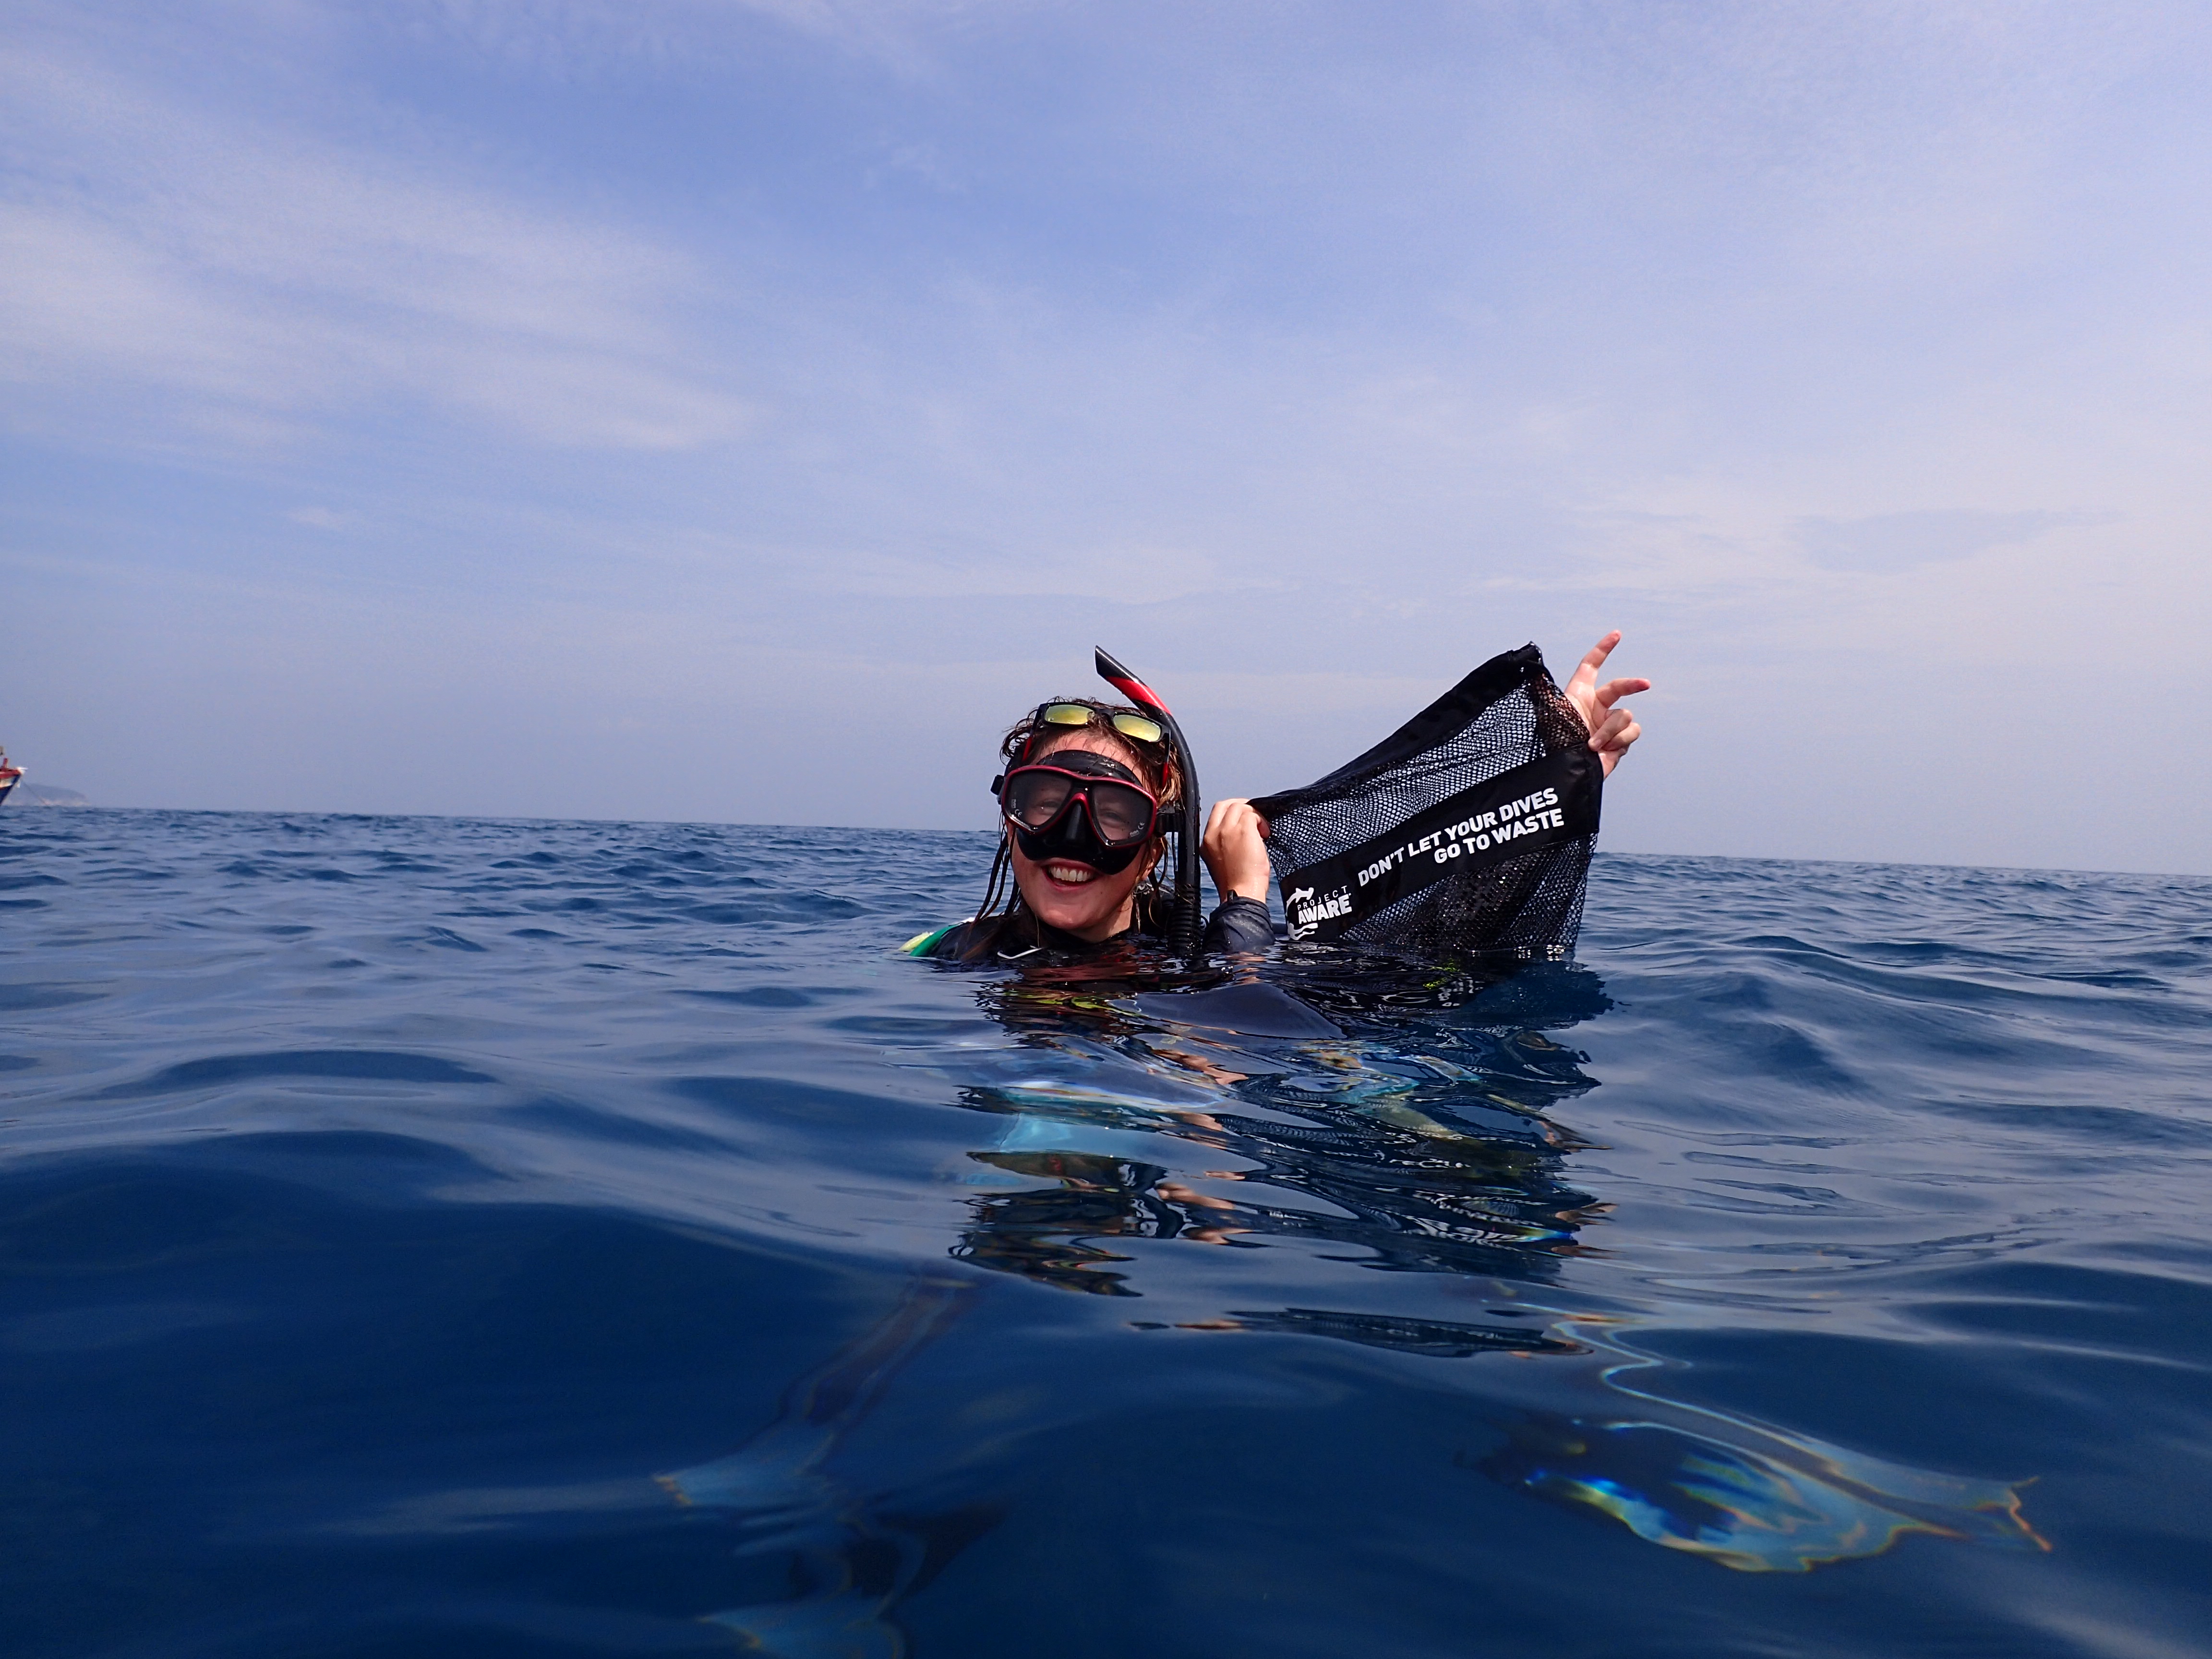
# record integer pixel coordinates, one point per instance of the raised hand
(1236, 850)
(1611, 729)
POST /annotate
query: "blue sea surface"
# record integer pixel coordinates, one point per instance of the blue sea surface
(430, 1237)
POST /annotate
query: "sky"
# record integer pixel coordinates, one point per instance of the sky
(740, 410)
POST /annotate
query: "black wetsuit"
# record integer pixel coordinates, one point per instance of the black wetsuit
(1241, 925)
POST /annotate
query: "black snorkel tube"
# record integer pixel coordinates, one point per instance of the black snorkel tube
(1186, 917)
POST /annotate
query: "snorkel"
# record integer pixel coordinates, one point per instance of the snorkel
(1186, 936)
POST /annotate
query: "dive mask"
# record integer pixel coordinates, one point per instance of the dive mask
(1078, 806)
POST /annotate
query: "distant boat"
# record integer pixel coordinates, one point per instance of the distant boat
(9, 776)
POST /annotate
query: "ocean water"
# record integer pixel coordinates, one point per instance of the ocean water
(442, 1237)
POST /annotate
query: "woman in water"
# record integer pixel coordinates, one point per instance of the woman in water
(1087, 791)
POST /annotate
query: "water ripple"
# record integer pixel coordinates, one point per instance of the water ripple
(430, 1237)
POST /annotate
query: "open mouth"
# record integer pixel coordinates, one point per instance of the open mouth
(1071, 875)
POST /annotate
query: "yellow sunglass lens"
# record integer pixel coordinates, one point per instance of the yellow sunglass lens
(1129, 725)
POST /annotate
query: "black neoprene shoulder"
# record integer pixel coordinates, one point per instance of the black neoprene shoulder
(1241, 926)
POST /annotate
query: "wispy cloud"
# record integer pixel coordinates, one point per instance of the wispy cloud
(253, 279)
(569, 37)
(1888, 542)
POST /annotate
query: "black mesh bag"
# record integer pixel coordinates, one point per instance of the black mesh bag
(1466, 831)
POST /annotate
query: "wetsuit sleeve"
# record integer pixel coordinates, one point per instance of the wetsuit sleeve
(939, 942)
(1241, 925)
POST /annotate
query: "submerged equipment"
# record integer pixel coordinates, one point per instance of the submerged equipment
(1468, 830)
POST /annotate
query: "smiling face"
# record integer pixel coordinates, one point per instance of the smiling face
(1072, 897)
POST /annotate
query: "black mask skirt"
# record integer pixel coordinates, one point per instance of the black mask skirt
(1071, 838)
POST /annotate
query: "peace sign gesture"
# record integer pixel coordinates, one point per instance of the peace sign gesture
(1611, 729)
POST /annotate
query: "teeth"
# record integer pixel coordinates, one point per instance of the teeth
(1071, 872)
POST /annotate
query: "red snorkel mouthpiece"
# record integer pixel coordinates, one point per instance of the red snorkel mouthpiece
(1187, 926)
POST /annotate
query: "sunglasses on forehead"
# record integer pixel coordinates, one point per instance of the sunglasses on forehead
(1072, 716)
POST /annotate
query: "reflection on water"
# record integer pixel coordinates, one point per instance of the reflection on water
(1407, 1129)
(1438, 1160)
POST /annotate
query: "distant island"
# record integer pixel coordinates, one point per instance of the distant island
(28, 794)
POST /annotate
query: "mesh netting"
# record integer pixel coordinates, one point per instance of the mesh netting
(1469, 830)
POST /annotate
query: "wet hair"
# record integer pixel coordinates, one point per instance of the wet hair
(1157, 764)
